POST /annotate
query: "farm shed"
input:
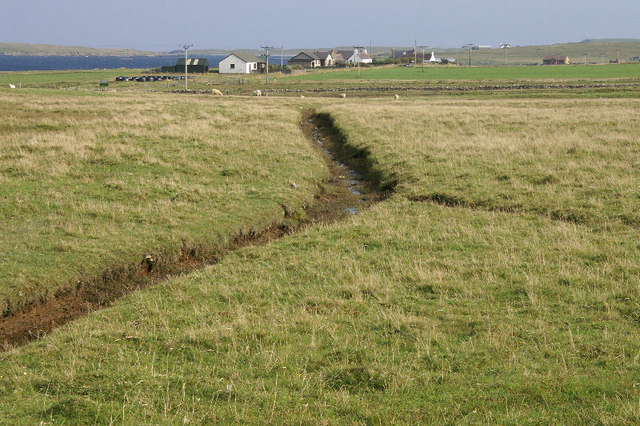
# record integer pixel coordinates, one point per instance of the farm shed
(305, 59)
(200, 65)
(240, 63)
(556, 60)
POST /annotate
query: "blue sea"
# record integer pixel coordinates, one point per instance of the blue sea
(37, 63)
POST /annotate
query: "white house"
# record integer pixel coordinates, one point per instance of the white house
(239, 63)
(351, 58)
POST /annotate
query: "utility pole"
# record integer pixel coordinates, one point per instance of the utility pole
(505, 46)
(470, 47)
(281, 58)
(267, 53)
(186, 75)
(423, 47)
(356, 57)
(415, 52)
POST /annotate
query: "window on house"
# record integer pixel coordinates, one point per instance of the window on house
(233, 66)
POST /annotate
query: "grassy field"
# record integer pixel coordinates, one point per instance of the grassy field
(481, 73)
(411, 312)
(58, 78)
(564, 159)
(613, 81)
(89, 183)
(499, 283)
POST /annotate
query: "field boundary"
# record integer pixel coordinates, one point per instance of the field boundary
(458, 88)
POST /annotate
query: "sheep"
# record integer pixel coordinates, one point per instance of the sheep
(397, 96)
(216, 92)
(257, 93)
(343, 95)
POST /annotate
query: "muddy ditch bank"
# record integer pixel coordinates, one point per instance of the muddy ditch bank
(352, 185)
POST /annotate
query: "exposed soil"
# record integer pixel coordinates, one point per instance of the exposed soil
(352, 186)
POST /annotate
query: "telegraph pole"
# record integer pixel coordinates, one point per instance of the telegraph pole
(356, 57)
(470, 47)
(505, 46)
(267, 53)
(422, 47)
(186, 49)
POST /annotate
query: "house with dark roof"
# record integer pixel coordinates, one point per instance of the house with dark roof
(326, 57)
(412, 54)
(556, 60)
(196, 65)
(240, 63)
(350, 56)
(306, 60)
(400, 53)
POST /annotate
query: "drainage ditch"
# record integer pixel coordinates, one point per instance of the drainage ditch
(352, 186)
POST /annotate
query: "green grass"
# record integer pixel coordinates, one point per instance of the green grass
(89, 183)
(565, 159)
(499, 284)
(61, 77)
(481, 73)
(408, 313)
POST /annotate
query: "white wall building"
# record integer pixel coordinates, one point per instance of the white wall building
(238, 63)
(351, 58)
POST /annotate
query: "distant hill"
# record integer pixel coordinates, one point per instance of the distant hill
(590, 51)
(51, 50)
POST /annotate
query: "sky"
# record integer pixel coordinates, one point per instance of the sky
(164, 25)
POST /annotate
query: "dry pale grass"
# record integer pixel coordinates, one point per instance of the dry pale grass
(571, 160)
(90, 182)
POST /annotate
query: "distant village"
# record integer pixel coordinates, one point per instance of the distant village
(247, 63)
(242, 63)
